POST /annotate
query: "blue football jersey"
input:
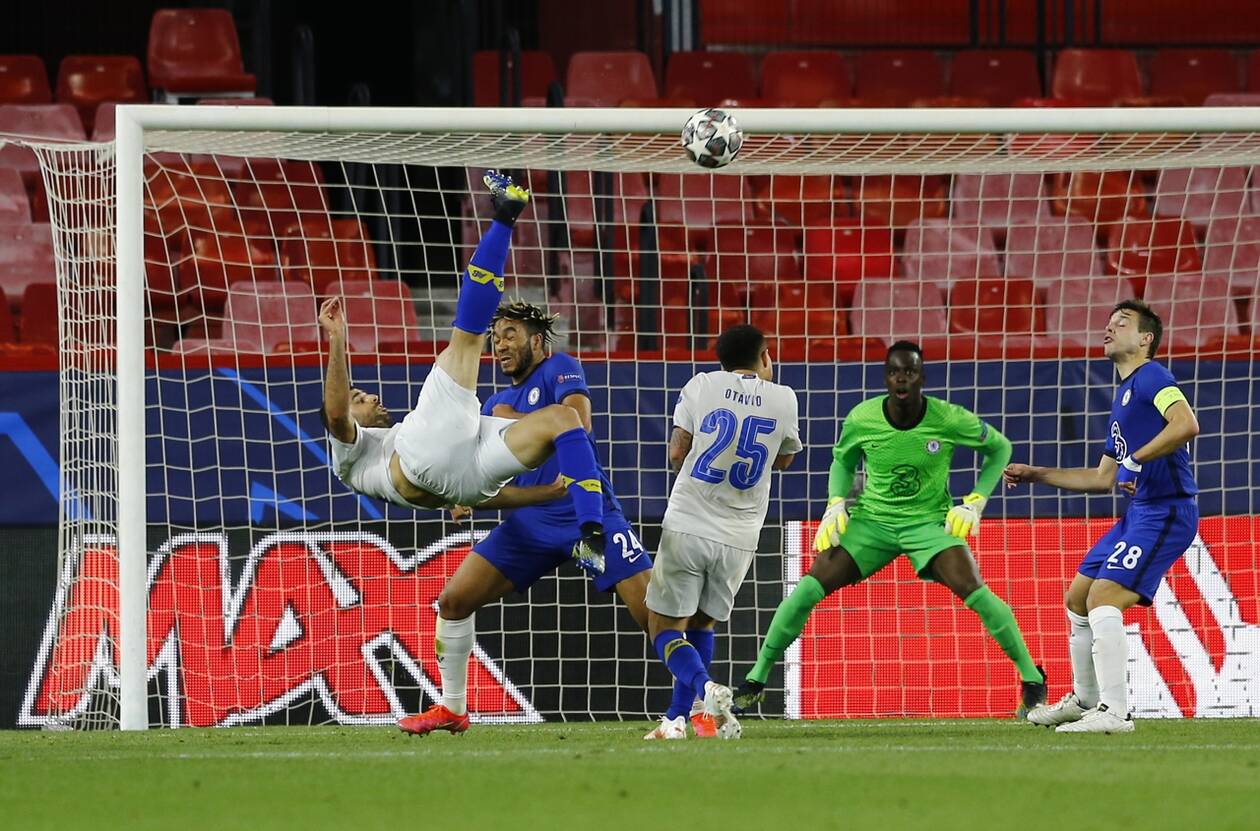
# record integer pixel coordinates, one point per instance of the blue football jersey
(556, 378)
(1136, 418)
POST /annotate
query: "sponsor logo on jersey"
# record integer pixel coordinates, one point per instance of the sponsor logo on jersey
(1124, 401)
(933, 446)
(534, 395)
(564, 378)
(313, 615)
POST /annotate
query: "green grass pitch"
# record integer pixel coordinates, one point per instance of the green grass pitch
(887, 775)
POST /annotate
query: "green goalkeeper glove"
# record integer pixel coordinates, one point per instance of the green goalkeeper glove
(832, 525)
(963, 520)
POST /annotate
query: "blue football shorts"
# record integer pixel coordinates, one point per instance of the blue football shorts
(1143, 545)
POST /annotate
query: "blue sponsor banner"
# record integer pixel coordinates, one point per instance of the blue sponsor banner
(248, 448)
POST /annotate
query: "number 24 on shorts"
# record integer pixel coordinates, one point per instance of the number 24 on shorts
(1130, 558)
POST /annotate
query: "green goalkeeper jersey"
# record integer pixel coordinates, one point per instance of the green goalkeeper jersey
(907, 471)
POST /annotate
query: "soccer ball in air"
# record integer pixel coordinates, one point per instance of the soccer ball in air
(711, 138)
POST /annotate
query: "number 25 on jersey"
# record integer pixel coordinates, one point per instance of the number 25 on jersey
(754, 455)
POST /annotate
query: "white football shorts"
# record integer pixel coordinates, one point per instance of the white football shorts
(692, 573)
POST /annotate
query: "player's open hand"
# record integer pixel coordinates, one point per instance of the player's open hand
(963, 520)
(332, 317)
(459, 513)
(832, 526)
(1019, 475)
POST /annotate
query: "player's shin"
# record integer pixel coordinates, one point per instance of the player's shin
(683, 661)
(685, 697)
(453, 644)
(1002, 626)
(1111, 658)
(581, 474)
(786, 625)
(482, 286)
(1081, 648)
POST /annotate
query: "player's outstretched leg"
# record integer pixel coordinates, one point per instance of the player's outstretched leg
(482, 286)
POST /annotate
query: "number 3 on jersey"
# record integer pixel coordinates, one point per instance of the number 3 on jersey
(744, 474)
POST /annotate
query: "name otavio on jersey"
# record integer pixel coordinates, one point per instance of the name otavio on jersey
(744, 398)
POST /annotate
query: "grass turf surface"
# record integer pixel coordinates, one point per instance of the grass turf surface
(893, 774)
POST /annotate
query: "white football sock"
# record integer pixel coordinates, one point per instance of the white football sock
(454, 643)
(1111, 658)
(1081, 647)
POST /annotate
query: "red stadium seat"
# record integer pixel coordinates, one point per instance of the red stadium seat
(710, 77)
(1059, 248)
(220, 258)
(271, 316)
(745, 21)
(538, 71)
(179, 195)
(26, 257)
(8, 334)
(45, 121)
(39, 314)
(23, 80)
(1138, 248)
(895, 77)
(1098, 198)
(276, 194)
(999, 76)
(942, 252)
(608, 78)
(1078, 308)
(846, 256)
(1232, 252)
(1099, 76)
(895, 309)
(751, 261)
(380, 316)
(805, 78)
(1233, 99)
(1200, 194)
(1192, 74)
(994, 305)
(15, 208)
(321, 250)
(800, 201)
(998, 200)
(196, 53)
(1196, 310)
(85, 81)
(898, 200)
(1253, 71)
(689, 207)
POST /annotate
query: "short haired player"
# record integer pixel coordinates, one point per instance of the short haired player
(444, 452)
(1147, 455)
(731, 427)
(535, 540)
(907, 440)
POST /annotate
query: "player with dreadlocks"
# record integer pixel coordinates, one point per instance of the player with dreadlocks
(531, 541)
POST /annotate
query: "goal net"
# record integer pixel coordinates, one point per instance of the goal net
(213, 571)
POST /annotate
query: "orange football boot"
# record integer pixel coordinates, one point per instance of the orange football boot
(436, 717)
(703, 725)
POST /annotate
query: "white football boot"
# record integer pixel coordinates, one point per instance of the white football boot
(717, 703)
(1098, 720)
(669, 729)
(1066, 709)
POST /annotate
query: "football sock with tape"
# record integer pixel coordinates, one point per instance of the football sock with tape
(453, 642)
(581, 474)
(786, 625)
(683, 660)
(1111, 658)
(1000, 621)
(684, 695)
(1081, 648)
(482, 286)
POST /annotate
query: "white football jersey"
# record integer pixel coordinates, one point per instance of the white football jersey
(739, 424)
(363, 465)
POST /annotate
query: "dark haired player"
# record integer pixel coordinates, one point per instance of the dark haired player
(532, 541)
(907, 441)
(1147, 455)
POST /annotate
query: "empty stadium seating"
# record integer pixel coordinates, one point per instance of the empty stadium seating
(1232, 252)
(805, 78)
(321, 251)
(1098, 76)
(894, 309)
(14, 205)
(39, 314)
(380, 316)
(263, 317)
(999, 76)
(941, 252)
(23, 80)
(50, 121)
(1140, 248)
(538, 71)
(710, 77)
(992, 305)
(26, 257)
(8, 334)
(86, 81)
(1062, 247)
(998, 200)
(1078, 308)
(847, 255)
(1196, 310)
(196, 53)
(605, 79)
(897, 201)
(1191, 75)
(895, 77)
(1199, 194)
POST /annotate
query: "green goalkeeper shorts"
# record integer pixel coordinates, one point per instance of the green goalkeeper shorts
(873, 545)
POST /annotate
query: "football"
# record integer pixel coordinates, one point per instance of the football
(711, 138)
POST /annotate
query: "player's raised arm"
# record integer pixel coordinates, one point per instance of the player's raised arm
(332, 320)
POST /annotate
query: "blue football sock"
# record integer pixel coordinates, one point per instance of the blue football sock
(684, 696)
(482, 287)
(683, 660)
(581, 473)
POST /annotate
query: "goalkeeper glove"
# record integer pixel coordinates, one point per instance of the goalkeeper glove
(832, 525)
(1128, 470)
(964, 520)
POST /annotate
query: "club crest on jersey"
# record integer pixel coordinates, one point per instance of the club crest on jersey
(933, 446)
(1124, 401)
(534, 395)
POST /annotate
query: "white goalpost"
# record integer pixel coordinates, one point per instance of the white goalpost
(213, 572)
